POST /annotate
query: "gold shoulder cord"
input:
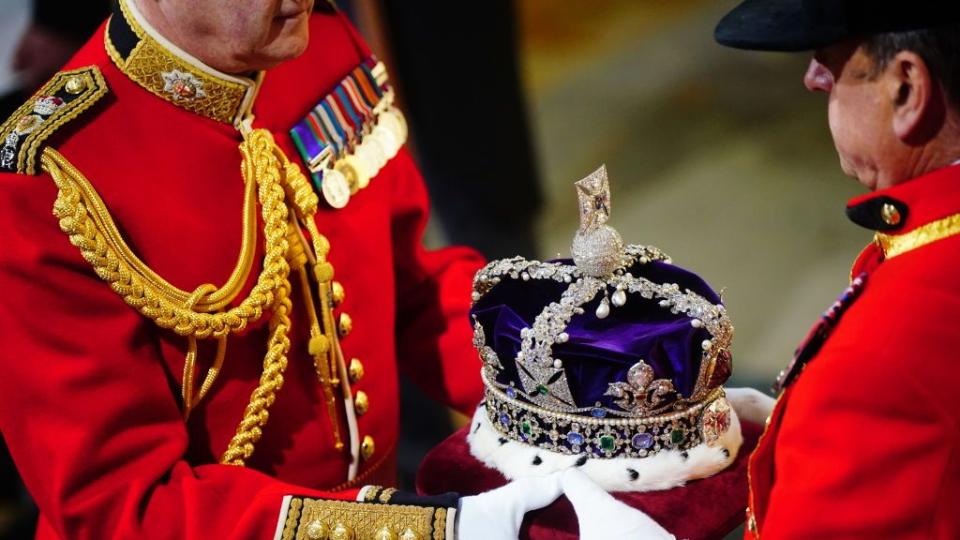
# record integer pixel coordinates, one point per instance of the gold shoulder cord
(274, 180)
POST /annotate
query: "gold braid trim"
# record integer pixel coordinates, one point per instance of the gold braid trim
(895, 245)
(84, 218)
(319, 518)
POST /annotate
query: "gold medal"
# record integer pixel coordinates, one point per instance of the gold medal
(352, 168)
(335, 188)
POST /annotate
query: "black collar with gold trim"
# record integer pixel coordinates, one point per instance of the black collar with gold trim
(170, 73)
(912, 214)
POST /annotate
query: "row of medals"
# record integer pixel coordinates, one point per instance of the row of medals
(362, 159)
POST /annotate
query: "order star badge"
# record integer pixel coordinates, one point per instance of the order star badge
(182, 85)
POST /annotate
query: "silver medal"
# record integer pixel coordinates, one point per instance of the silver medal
(336, 189)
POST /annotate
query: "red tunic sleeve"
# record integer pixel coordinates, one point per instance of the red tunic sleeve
(863, 450)
(434, 335)
(87, 408)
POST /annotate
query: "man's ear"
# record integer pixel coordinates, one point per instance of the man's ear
(916, 98)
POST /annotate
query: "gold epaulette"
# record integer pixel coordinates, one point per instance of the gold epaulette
(65, 97)
(303, 518)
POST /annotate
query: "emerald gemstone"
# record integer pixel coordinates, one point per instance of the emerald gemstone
(525, 428)
(676, 436)
(543, 389)
(607, 443)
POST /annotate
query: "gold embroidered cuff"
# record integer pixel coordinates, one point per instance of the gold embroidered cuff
(317, 519)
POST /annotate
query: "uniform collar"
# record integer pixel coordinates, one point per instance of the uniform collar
(159, 66)
(912, 214)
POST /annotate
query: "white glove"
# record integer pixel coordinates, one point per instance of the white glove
(498, 513)
(751, 405)
(601, 517)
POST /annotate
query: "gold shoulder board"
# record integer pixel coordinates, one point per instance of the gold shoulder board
(65, 97)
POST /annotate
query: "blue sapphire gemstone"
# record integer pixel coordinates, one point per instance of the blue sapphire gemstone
(597, 412)
(512, 392)
(642, 441)
(574, 438)
(505, 419)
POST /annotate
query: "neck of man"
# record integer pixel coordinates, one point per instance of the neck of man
(942, 150)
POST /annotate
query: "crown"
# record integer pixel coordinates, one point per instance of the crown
(616, 353)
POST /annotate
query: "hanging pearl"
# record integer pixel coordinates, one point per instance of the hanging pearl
(706, 344)
(603, 309)
(558, 363)
(619, 298)
(563, 337)
(696, 323)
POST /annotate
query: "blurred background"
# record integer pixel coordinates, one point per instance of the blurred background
(721, 158)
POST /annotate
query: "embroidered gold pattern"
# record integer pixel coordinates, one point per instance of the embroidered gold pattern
(440, 524)
(293, 515)
(149, 62)
(364, 519)
(386, 495)
(94, 88)
(894, 245)
(371, 494)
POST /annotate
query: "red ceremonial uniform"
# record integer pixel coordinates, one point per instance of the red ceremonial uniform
(89, 398)
(866, 442)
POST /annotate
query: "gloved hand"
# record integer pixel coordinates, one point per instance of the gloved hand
(498, 513)
(751, 405)
(601, 517)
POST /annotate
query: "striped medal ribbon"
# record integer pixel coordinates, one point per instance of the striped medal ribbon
(351, 134)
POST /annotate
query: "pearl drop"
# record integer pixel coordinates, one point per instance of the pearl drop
(525, 276)
(706, 344)
(558, 363)
(563, 337)
(696, 323)
(567, 279)
(664, 303)
(619, 298)
(475, 296)
(644, 260)
(603, 310)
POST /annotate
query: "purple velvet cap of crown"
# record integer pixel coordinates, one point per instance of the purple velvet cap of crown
(601, 351)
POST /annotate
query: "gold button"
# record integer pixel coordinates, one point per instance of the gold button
(318, 345)
(337, 292)
(890, 214)
(317, 530)
(75, 85)
(341, 532)
(367, 447)
(323, 272)
(361, 403)
(386, 533)
(356, 370)
(409, 534)
(345, 326)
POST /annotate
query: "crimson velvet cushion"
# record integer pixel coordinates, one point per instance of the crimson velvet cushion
(703, 509)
